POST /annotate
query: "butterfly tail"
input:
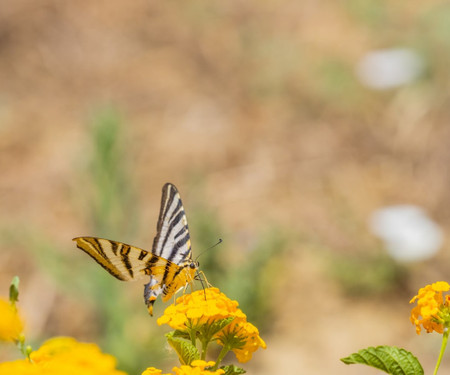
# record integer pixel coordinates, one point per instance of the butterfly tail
(151, 291)
(149, 304)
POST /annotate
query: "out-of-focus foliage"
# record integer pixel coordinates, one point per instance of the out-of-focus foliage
(109, 188)
(262, 103)
(251, 275)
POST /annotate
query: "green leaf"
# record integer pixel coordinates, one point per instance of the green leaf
(394, 361)
(207, 331)
(232, 370)
(217, 326)
(14, 290)
(187, 352)
(181, 334)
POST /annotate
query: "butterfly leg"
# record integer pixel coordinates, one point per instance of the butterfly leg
(184, 290)
(202, 278)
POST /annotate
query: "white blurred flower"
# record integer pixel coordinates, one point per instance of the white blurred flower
(408, 233)
(389, 68)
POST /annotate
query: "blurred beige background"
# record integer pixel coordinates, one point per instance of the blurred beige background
(257, 112)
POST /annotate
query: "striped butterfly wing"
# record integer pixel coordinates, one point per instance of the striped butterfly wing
(169, 265)
(172, 240)
(125, 262)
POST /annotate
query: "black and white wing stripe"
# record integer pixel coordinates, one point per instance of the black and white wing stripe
(123, 261)
(172, 240)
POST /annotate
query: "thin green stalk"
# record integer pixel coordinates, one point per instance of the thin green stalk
(25, 350)
(21, 344)
(193, 335)
(443, 346)
(221, 356)
(204, 347)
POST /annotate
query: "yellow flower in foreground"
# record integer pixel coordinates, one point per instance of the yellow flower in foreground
(432, 310)
(245, 336)
(200, 307)
(153, 371)
(197, 368)
(11, 325)
(21, 367)
(64, 356)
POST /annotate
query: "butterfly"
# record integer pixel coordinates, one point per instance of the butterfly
(169, 264)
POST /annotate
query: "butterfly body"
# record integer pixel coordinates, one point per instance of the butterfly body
(169, 264)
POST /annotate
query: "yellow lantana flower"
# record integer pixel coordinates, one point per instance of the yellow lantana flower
(433, 308)
(245, 336)
(11, 326)
(153, 371)
(197, 368)
(200, 307)
(63, 355)
(203, 308)
(21, 367)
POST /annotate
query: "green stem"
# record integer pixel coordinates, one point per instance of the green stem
(441, 354)
(25, 350)
(221, 356)
(193, 334)
(204, 347)
(21, 344)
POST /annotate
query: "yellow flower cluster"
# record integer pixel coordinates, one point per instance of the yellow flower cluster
(11, 325)
(153, 371)
(63, 355)
(200, 307)
(196, 368)
(432, 310)
(205, 316)
(207, 306)
(246, 334)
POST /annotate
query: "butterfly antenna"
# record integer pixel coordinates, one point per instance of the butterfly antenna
(209, 248)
